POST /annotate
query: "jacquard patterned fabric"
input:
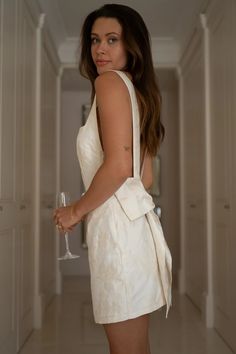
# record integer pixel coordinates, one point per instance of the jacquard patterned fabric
(130, 262)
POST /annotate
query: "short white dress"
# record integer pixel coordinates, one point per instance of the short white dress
(130, 262)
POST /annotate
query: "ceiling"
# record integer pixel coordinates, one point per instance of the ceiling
(164, 18)
(168, 21)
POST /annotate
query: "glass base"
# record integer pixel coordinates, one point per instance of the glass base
(68, 255)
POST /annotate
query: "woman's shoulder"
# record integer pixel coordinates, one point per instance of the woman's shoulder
(109, 81)
(107, 77)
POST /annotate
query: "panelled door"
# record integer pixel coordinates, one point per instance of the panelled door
(9, 211)
(195, 199)
(223, 121)
(25, 108)
(48, 176)
(17, 111)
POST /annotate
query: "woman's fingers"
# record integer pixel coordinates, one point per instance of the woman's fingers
(62, 217)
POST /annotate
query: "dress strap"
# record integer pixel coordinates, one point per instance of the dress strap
(135, 122)
(136, 202)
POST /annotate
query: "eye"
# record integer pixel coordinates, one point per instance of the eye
(94, 40)
(112, 40)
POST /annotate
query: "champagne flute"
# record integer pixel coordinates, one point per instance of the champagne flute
(63, 199)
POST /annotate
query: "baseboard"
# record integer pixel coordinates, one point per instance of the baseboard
(38, 311)
(208, 310)
(58, 282)
(181, 281)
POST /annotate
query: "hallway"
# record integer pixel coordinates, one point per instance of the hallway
(43, 103)
(69, 327)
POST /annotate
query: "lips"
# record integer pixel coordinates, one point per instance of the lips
(102, 62)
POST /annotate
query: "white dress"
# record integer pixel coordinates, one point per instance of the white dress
(130, 263)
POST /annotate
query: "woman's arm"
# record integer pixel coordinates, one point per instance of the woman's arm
(115, 115)
(147, 177)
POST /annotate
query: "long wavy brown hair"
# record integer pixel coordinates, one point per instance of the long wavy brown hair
(136, 40)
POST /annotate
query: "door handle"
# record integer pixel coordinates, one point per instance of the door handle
(226, 206)
(192, 205)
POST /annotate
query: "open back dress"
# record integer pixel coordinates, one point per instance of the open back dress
(129, 260)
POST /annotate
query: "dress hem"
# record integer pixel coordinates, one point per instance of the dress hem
(125, 317)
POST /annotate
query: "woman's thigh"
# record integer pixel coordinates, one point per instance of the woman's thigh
(129, 336)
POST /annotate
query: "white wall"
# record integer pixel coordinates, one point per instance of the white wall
(17, 124)
(194, 138)
(71, 117)
(207, 100)
(27, 55)
(169, 155)
(221, 24)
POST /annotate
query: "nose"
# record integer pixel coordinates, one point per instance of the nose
(101, 48)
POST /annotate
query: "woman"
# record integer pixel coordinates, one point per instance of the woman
(129, 260)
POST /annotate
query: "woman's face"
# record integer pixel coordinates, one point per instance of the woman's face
(107, 47)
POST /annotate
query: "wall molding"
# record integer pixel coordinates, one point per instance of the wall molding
(191, 49)
(34, 10)
(182, 270)
(215, 13)
(58, 175)
(37, 295)
(208, 301)
(50, 47)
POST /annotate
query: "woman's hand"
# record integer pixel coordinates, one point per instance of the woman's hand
(65, 218)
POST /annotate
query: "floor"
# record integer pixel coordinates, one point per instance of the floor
(69, 327)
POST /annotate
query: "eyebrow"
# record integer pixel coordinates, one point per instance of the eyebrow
(107, 34)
